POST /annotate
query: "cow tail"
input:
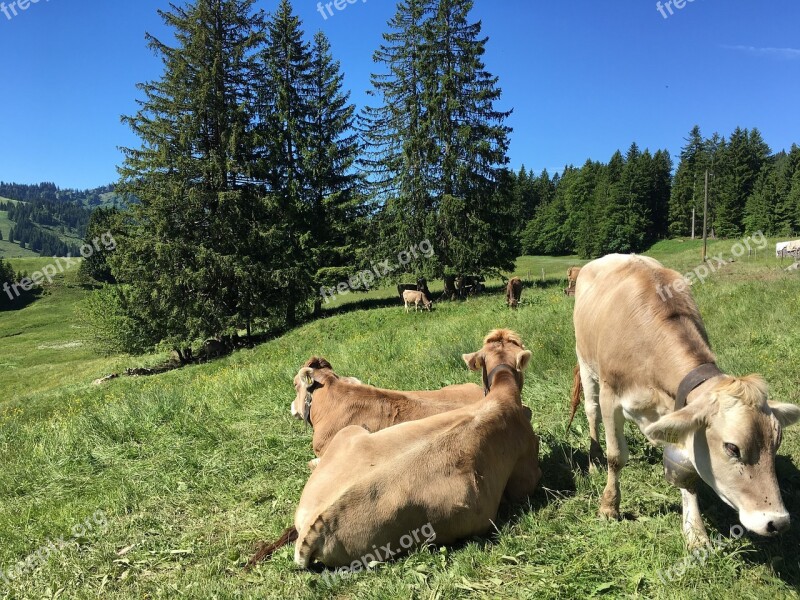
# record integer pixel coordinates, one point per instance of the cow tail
(266, 550)
(577, 386)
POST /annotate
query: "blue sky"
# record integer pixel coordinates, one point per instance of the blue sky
(584, 77)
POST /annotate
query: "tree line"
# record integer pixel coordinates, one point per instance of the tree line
(630, 202)
(50, 192)
(750, 188)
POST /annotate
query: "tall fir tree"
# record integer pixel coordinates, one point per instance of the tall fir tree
(436, 144)
(196, 254)
(475, 223)
(398, 137)
(688, 186)
(338, 208)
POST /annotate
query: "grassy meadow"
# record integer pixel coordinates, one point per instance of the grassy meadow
(159, 487)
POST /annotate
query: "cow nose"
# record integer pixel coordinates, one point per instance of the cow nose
(778, 525)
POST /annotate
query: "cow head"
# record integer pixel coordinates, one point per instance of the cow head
(312, 375)
(306, 379)
(731, 434)
(500, 347)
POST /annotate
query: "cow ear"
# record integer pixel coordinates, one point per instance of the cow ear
(523, 358)
(305, 375)
(474, 361)
(674, 427)
(787, 414)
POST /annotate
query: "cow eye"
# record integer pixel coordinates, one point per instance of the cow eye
(732, 450)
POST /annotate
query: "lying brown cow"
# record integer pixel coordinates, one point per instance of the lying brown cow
(331, 403)
(644, 356)
(444, 474)
(513, 292)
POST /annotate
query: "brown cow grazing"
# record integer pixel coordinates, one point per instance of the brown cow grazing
(644, 356)
(444, 475)
(330, 403)
(513, 292)
(416, 298)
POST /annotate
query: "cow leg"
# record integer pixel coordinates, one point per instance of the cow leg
(406, 305)
(694, 532)
(617, 449)
(591, 404)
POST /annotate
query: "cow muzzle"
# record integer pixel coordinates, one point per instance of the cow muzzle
(296, 413)
(766, 524)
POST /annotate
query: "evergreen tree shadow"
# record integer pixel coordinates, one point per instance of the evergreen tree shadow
(19, 302)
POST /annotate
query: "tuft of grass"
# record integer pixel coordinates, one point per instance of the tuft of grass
(192, 467)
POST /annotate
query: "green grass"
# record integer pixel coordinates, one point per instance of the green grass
(192, 466)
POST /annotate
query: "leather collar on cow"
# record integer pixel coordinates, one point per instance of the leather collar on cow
(307, 404)
(487, 379)
(693, 380)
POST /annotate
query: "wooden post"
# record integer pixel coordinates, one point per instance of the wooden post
(705, 220)
(693, 222)
(542, 274)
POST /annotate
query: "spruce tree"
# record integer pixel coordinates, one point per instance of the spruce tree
(195, 254)
(437, 145)
(337, 207)
(688, 187)
(475, 223)
(400, 152)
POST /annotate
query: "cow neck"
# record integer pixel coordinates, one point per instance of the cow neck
(488, 380)
(693, 380)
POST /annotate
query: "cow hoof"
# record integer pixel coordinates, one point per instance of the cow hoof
(696, 540)
(609, 513)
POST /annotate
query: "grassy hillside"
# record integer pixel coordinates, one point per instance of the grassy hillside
(8, 249)
(159, 486)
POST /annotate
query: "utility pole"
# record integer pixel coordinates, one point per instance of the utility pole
(705, 220)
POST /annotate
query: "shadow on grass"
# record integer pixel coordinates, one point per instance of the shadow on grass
(19, 302)
(778, 553)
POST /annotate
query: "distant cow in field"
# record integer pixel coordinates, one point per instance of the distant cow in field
(330, 403)
(416, 298)
(572, 276)
(646, 358)
(445, 474)
(513, 292)
(420, 286)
